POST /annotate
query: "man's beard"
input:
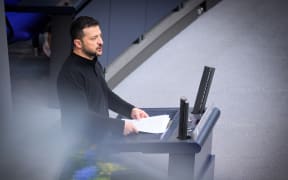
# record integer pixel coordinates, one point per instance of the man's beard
(89, 53)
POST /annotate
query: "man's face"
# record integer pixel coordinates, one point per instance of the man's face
(92, 42)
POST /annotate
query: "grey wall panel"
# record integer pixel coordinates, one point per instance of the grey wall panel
(5, 101)
(5, 90)
(126, 24)
(157, 10)
(100, 10)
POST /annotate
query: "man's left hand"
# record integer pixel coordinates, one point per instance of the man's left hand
(137, 113)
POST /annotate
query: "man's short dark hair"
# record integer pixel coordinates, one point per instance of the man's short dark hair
(77, 26)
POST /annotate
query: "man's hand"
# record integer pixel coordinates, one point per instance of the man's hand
(129, 128)
(137, 113)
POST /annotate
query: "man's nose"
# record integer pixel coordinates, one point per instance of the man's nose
(100, 41)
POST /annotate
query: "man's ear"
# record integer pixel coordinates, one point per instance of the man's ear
(77, 43)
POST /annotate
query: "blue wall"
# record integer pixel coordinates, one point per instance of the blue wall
(124, 21)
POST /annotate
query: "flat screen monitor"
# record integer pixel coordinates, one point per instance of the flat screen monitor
(203, 90)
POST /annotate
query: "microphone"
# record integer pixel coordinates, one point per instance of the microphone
(183, 119)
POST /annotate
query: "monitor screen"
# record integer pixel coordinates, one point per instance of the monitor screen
(203, 90)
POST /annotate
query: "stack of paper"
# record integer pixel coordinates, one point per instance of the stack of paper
(153, 124)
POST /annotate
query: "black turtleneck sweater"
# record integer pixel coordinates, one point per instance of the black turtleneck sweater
(85, 98)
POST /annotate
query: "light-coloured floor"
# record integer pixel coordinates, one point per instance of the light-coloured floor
(246, 41)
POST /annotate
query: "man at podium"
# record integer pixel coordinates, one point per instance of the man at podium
(84, 95)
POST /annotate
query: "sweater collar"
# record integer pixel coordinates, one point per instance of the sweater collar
(85, 60)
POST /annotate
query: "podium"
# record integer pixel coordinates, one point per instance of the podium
(190, 158)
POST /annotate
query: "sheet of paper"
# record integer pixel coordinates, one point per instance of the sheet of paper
(153, 124)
